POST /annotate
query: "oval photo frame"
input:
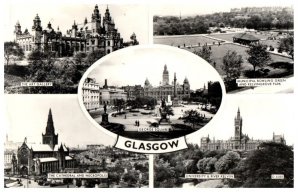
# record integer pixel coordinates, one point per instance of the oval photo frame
(150, 93)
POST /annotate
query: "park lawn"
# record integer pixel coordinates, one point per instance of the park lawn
(12, 80)
(223, 36)
(218, 52)
(188, 40)
(273, 43)
(229, 36)
(8, 181)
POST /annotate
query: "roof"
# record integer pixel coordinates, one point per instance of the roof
(56, 147)
(45, 147)
(246, 36)
(68, 158)
(51, 159)
(40, 147)
(48, 159)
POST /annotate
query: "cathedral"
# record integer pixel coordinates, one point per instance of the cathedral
(165, 88)
(240, 141)
(94, 34)
(38, 159)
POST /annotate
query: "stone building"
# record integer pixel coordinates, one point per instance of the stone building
(43, 158)
(239, 141)
(165, 88)
(94, 34)
(90, 94)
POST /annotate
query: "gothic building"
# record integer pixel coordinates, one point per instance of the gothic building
(43, 158)
(93, 34)
(239, 141)
(165, 88)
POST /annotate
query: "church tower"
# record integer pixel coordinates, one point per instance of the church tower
(50, 137)
(165, 80)
(238, 122)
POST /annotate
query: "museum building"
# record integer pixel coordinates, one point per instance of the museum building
(88, 36)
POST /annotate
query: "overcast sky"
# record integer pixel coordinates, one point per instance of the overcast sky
(27, 116)
(132, 67)
(128, 18)
(262, 115)
(212, 6)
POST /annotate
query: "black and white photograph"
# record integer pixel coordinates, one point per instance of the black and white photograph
(153, 94)
(252, 144)
(43, 138)
(173, 93)
(48, 51)
(250, 43)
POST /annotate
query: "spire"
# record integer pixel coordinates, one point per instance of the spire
(50, 126)
(85, 21)
(238, 113)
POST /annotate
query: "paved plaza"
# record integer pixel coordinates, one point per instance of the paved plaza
(129, 118)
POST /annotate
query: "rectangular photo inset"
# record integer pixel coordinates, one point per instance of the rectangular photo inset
(50, 143)
(48, 51)
(250, 145)
(250, 43)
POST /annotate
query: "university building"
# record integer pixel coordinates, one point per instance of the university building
(165, 88)
(94, 34)
(43, 158)
(240, 141)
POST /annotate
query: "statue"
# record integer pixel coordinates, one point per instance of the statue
(105, 107)
(105, 116)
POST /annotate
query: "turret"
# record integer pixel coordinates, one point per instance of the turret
(18, 30)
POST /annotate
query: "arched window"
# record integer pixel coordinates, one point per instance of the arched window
(108, 43)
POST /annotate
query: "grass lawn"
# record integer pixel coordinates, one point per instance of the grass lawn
(8, 181)
(12, 80)
(229, 36)
(224, 36)
(188, 40)
(218, 53)
(274, 43)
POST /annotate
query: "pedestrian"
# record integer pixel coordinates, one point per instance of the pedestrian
(138, 123)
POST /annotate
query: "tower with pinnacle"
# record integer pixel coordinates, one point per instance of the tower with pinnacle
(165, 76)
(50, 137)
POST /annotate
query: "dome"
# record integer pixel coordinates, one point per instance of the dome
(186, 81)
(147, 83)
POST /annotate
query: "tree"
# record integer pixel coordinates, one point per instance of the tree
(79, 57)
(256, 170)
(192, 117)
(36, 55)
(258, 56)
(210, 166)
(93, 56)
(287, 44)
(204, 53)
(12, 49)
(232, 65)
(119, 104)
(227, 162)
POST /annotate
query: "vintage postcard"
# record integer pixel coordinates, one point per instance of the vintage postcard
(153, 95)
